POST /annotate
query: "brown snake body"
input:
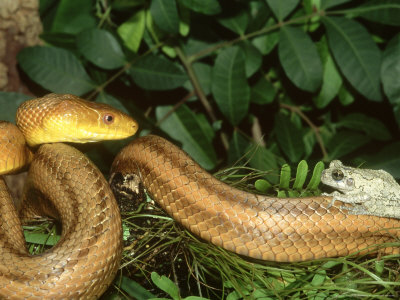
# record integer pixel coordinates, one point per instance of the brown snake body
(85, 260)
(63, 184)
(268, 228)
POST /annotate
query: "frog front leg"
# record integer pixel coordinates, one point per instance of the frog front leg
(356, 209)
(348, 198)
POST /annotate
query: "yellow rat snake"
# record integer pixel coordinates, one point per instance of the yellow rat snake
(64, 184)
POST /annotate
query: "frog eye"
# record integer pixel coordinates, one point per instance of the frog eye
(337, 175)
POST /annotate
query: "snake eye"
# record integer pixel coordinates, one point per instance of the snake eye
(337, 175)
(108, 119)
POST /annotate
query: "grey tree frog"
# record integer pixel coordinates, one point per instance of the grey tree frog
(372, 192)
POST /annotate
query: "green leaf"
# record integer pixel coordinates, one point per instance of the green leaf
(193, 46)
(293, 194)
(381, 11)
(319, 278)
(237, 22)
(60, 40)
(390, 70)
(345, 97)
(101, 48)
(184, 23)
(282, 9)
(157, 73)
(229, 87)
(316, 176)
(45, 5)
(165, 284)
(263, 159)
(282, 194)
(330, 3)
(112, 101)
(253, 58)
(396, 113)
(289, 138)
(165, 15)
(370, 126)
(184, 126)
(299, 58)
(131, 31)
(263, 92)
(309, 141)
(127, 4)
(73, 16)
(207, 7)
(152, 33)
(41, 238)
(284, 179)
(55, 69)
(169, 51)
(343, 143)
(330, 263)
(9, 103)
(331, 83)
(203, 74)
(134, 289)
(267, 42)
(387, 159)
(357, 55)
(262, 185)
(301, 175)
(237, 147)
(379, 266)
(259, 13)
(206, 127)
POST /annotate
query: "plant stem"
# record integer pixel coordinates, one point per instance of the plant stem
(200, 93)
(174, 108)
(128, 65)
(212, 49)
(313, 127)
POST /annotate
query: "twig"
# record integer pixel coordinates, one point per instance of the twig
(200, 93)
(174, 108)
(121, 71)
(214, 48)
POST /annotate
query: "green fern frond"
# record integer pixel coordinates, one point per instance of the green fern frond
(285, 188)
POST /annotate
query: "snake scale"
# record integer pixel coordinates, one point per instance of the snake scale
(64, 184)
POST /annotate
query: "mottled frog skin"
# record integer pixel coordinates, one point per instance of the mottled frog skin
(372, 192)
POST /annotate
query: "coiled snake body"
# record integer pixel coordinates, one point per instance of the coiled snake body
(86, 258)
(63, 184)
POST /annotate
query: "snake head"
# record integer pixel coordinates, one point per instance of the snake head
(68, 118)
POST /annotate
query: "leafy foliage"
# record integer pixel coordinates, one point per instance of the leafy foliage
(234, 66)
(266, 82)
